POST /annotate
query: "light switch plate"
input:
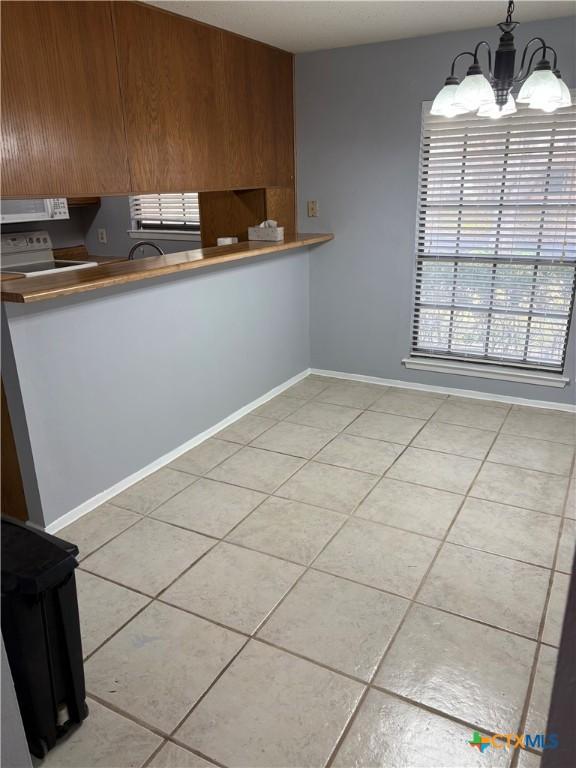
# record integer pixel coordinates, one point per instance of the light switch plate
(312, 208)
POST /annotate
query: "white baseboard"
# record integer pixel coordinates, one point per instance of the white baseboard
(104, 496)
(471, 393)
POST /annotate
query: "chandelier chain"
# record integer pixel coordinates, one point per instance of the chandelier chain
(510, 11)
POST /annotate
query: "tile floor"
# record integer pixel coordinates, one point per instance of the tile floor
(352, 575)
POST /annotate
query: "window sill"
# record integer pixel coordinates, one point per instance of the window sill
(459, 368)
(160, 234)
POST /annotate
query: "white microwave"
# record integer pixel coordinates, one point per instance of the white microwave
(39, 209)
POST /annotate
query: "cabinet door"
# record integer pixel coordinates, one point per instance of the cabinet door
(259, 112)
(62, 125)
(172, 100)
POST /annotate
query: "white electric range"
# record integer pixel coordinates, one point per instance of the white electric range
(30, 254)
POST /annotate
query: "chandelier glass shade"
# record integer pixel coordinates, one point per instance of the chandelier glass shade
(490, 95)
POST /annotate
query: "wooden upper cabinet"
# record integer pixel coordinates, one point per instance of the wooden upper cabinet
(205, 109)
(62, 126)
(169, 73)
(258, 93)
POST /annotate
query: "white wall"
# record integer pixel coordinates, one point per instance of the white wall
(358, 130)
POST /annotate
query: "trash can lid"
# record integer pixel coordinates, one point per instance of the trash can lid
(33, 561)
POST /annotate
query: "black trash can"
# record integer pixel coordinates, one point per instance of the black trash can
(41, 630)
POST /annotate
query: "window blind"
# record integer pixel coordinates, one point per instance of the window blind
(170, 211)
(496, 238)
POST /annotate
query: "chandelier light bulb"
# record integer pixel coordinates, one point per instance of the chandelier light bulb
(474, 92)
(443, 105)
(495, 112)
(542, 87)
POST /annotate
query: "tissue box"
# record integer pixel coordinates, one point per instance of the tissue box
(266, 233)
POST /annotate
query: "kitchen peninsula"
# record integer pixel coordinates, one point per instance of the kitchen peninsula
(118, 373)
(121, 271)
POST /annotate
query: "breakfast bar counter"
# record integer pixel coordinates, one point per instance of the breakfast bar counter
(27, 290)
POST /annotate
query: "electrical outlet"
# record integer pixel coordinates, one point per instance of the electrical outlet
(102, 236)
(312, 208)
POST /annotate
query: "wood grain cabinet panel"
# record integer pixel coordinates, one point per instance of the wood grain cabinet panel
(62, 125)
(258, 93)
(169, 73)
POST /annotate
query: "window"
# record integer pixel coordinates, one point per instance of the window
(495, 253)
(166, 213)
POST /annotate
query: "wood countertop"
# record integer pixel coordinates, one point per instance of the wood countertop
(28, 289)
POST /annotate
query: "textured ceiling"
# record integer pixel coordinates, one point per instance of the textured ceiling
(313, 25)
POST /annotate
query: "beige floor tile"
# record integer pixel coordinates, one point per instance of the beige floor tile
(246, 429)
(327, 416)
(271, 710)
(565, 559)
(205, 456)
(537, 717)
(470, 414)
(278, 407)
(327, 486)
(412, 507)
(528, 760)
(521, 488)
(385, 426)
(148, 556)
(209, 507)
(391, 733)
(360, 453)
(492, 589)
(173, 756)
(405, 403)
(450, 438)
(461, 668)
(434, 469)
(288, 529)
(259, 470)
(104, 608)
(541, 455)
(234, 586)
(294, 439)
(509, 531)
(143, 497)
(556, 609)
(307, 388)
(337, 623)
(352, 394)
(557, 426)
(161, 662)
(378, 556)
(105, 739)
(97, 527)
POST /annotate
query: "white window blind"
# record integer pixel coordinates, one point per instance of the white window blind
(496, 238)
(170, 211)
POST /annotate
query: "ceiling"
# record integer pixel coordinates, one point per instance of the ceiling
(311, 25)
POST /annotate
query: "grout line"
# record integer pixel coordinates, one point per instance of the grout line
(532, 678)
(307, 568)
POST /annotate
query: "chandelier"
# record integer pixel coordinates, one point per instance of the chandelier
(491, 96)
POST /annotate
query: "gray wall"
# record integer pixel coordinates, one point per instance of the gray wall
(112, 380)
(358, 129)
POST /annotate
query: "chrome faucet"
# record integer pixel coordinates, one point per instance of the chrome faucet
(144, 242)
